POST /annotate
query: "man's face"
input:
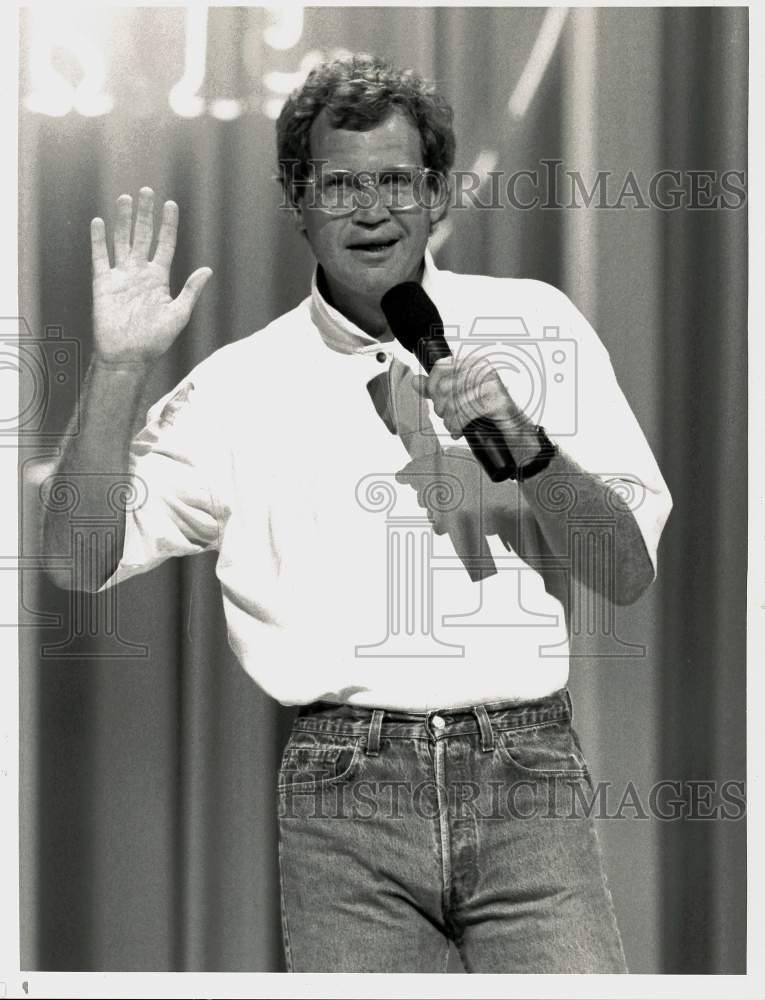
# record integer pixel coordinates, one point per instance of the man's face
(371, 250)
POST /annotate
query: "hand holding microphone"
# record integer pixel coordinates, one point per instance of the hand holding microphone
(460, 389)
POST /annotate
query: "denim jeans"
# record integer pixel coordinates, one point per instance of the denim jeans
(399, 832)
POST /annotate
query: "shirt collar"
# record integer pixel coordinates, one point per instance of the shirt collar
(341, 334)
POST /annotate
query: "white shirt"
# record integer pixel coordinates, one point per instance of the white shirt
(334, 584)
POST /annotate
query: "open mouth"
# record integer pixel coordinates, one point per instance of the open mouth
(377, 247)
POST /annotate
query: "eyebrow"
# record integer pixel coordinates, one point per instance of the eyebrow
(387, 168)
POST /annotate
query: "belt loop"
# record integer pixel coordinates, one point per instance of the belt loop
(570, 704)
(373, 739)
(484, 724)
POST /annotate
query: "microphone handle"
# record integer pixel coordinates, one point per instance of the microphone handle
(490, 448)
(485, 439)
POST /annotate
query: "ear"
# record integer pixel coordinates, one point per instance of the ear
(296, 212)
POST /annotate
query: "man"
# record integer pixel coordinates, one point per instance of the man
(428, 789)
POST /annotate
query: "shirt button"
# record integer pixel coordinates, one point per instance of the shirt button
(438, 722)
(381, 356)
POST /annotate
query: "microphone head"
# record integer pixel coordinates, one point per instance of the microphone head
(411, 314)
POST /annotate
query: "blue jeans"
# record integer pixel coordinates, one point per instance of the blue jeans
(399, 832)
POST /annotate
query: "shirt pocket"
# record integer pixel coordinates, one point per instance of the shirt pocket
(310, 762)
(549, 750)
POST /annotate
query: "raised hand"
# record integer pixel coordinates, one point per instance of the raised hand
(134, 318)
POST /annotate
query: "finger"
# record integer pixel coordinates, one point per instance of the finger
(443, 373)
(408, 470)
(122, 228)
(439, 407)
(188, 295)
(144, 223)
(479, 381)
(440, 384)
(463, 409)
(98, 249)
(436, 522)
(168, 232)
(443, 365)
(420, 384)
(464, 376)
(472, 378)
(452, 423)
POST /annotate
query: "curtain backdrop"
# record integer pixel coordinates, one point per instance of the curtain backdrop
(148, 756)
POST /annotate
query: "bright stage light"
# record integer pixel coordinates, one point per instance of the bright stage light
(284, 83)
(226, 109)
(485, 162)
(285, 27)
(272, 107)
(539, 58)
(184, 98)
(52, 30)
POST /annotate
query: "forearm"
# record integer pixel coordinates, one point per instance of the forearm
(589, 530)
(572, 506)
(93, 464)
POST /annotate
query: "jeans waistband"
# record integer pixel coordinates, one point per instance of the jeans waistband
(487, 718)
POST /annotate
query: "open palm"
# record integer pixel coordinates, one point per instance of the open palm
(135, 320)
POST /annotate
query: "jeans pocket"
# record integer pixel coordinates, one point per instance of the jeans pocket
(549, 750)
(311, 761)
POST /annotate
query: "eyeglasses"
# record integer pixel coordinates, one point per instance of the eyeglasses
(399, 189)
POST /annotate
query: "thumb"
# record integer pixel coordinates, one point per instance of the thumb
(187, 297)
(420, 384)
(403, 475)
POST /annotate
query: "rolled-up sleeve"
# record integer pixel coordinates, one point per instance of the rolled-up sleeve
(172, 510)
(608, 441)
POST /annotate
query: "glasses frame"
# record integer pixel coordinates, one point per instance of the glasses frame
(366, 185)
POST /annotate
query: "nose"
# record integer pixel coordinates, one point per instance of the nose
(372, 215)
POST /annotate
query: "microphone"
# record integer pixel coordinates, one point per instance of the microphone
(416, 324)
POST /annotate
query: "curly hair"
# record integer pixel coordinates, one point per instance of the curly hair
(359, 93)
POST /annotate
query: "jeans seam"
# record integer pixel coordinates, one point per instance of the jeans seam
(598, 849)
(283, 907)
(322, 782)
(457, 938)
(427, 738)
(533, 725)
(443, 827)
